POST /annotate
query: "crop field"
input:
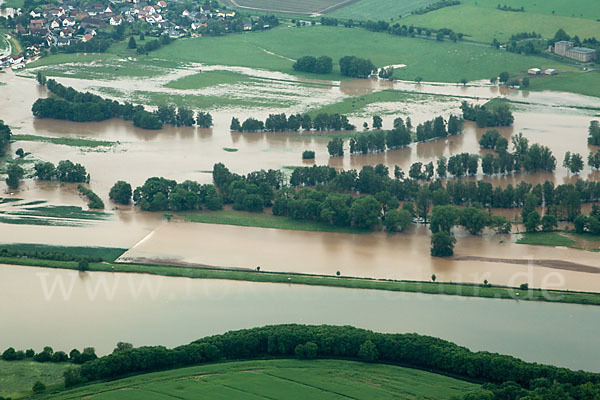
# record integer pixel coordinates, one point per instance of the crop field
(17, 377)
(363, 10)
(483, 24)
(304, 7)
(289, 379)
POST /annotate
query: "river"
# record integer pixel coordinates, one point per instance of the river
(102, 308)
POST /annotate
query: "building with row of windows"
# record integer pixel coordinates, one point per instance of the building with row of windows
(567, 49)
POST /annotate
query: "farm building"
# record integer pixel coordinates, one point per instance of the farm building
(534, 71)
(567, 49)
(550, 71)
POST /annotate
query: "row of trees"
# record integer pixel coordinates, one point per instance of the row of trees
(594, 133)
(94, 201)
(160, 194)
(72, 105)
(65, 171)
(495, 114)
(5, 134)
(344, 342)
(321, 65)
(49, 355)
(473, 218)
(563, 200)
(356, 67)
(400, 136)
(588, 223)
(281, 123)
(182, 116)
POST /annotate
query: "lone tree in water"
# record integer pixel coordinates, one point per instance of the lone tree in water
(15, 174)
(120, 192)
(442, 244)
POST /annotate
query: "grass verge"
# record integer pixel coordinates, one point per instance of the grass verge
(263, 220)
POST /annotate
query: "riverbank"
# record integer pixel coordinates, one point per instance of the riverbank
(209, 272)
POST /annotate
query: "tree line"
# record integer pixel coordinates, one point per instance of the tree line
(588, 223)
(293, 123)
(65, 171)
(72, 105)
(344, 342)
(562, 200)
(321, 65)
(594, 133)
(5, 134)
(160, 194)
(488, 115)
(49, 355)
(401, 135)
(94, 201)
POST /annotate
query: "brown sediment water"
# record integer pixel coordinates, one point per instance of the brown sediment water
(156, 310)
(405, 256)
(190, 153)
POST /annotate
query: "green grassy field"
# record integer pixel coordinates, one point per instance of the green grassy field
(263, 220)
(483, 24)
(66, 141)
(17, 377)
(432, 60)
(300, 7)
(584, 83)
(278, 379)
(70, 212)
(207, 79)
(546, 239)
(108, 254)
(375, 10)
(579, 9)
(450, 289)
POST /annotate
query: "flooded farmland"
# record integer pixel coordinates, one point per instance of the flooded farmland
(133, 154)
(101, 309)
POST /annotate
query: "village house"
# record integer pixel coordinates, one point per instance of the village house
(116, 20)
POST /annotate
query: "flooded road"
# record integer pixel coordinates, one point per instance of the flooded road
(100, 309)
(375, 255)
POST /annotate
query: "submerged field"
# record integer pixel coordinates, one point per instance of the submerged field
(290, 379)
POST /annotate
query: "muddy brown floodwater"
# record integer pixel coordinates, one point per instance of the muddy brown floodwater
(189, 153)
(378, 255)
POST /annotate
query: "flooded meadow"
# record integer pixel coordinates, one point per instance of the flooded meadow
(557, 120)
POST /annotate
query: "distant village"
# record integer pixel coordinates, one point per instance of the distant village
(71, 22)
